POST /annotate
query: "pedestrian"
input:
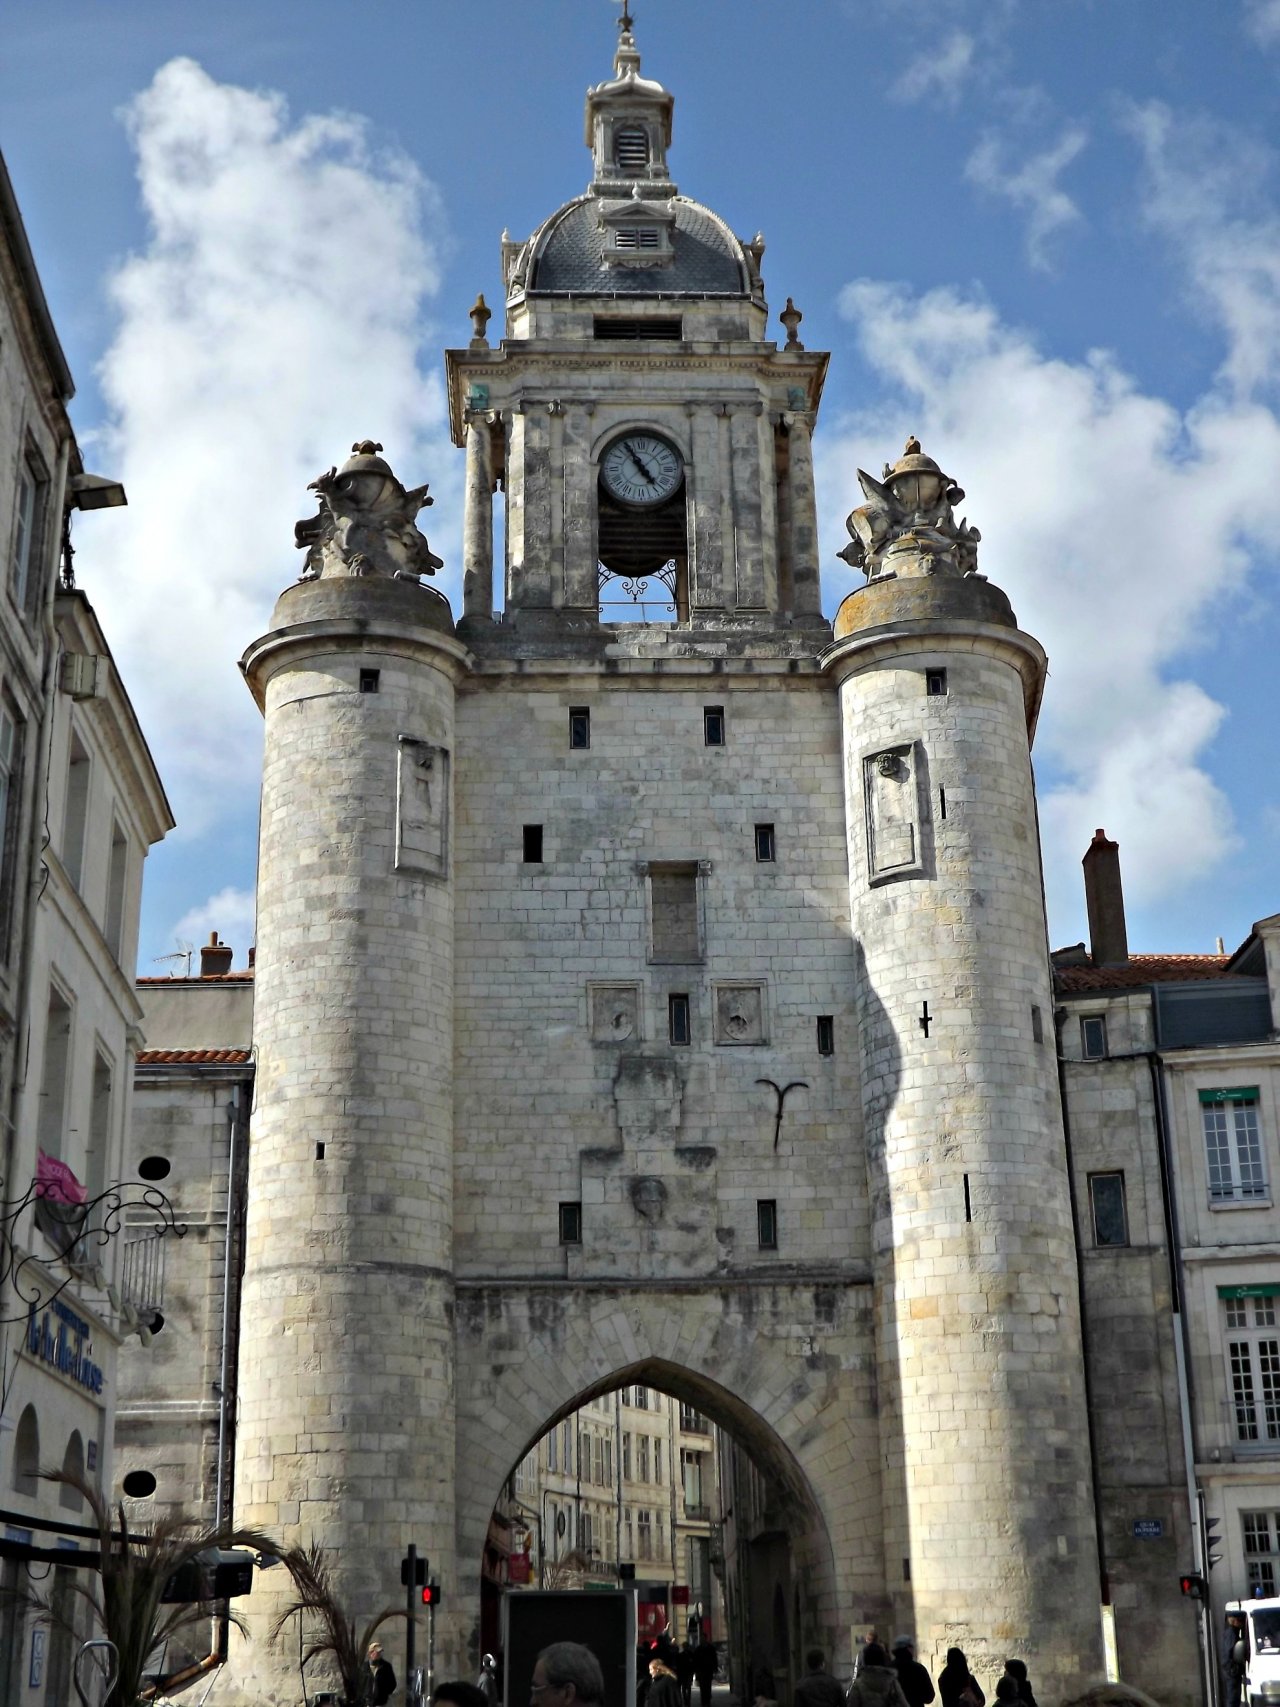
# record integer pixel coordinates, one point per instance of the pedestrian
(916, 1683)
(684, 1673)
(377, 1679)
(566, 1673)
(817, 1688)
(876, 1685)
(664, 1686)
(1017, 1670)
(1007, 1690)
(706, 1662)
(457, 1693)
(1235, 1654)
(957, 1685)
(487, 1682)
(863, 1643)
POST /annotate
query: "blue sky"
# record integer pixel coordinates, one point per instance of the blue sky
(1043, 234)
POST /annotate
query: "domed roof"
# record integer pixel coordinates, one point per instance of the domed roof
(567, 255)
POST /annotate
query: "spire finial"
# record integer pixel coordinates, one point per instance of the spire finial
(626, 58)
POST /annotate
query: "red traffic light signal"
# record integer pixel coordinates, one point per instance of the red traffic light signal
(431, 1594)
(1193, 1587)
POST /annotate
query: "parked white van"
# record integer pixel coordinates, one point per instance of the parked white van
(1262, 1650)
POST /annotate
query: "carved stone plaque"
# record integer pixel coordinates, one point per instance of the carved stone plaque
(893, 811)
(740, 1014)
(422, 808)
(614, 1012)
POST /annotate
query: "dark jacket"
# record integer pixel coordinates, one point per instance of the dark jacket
(954, 1678)
(876, 1686)
(378, 1683)
(818, 1689)
(706, 1661)
(916, 1683)
(664, 1691)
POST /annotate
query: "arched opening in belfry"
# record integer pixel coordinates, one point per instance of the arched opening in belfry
(658, 1481)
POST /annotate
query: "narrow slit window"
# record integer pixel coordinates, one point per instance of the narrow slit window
(713, 725)
(826, 1034)
(767, 1223)
(579, 726)
(1037, 1026)
(570, 1223)
(765, 849)
(1093, 1037)
(369, 680)
(968, 1200)
(935, 683)
(678, 1026)
(942, 803)
(533, 844)
(1108, 1210)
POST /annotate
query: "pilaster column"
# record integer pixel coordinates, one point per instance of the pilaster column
(581, 554)
(477, 518)
(744, 482)
(805, 579)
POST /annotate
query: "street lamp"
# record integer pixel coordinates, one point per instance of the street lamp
(94, 492)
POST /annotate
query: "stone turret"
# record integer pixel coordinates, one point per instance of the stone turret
(988, 1525)
(349, 1239)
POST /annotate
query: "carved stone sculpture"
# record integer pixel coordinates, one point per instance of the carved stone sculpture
(366, 524)
(907, 526)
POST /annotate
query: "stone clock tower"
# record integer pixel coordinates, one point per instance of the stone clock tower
(659, 1001)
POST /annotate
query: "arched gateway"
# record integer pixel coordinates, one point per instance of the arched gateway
(668, 998)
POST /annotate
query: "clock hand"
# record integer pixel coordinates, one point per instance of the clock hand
(647, 472)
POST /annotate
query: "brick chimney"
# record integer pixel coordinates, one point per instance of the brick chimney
(215, 957)
(1104, 897)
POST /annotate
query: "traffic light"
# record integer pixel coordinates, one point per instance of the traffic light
(1212, 1541)
(419, 1571)
(1194, 1587)
(215, 1574)
(431, 1594)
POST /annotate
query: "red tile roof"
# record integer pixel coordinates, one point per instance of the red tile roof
(1142, 969)
(244, 976)
(185, 1057)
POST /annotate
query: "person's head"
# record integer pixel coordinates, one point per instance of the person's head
(1017, 1668)
(874, 1655)
(815, 1659)
(488, 1663)
(1007, 1687)
(658, 1668)
(458, 1693)
(566, 1673)
(374, 1652)
(904, 1648)
(956, 1659)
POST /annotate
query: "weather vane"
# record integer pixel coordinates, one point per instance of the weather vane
(624, 20)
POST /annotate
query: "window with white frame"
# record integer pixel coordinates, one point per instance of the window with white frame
(1261, 1536)
(1233, 1146)
(644, 1535)
(28, 530)
(642, 1458)
(1253, 1365)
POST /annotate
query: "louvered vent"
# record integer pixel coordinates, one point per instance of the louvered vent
(631, 148)
(636, 237)
(613, 327)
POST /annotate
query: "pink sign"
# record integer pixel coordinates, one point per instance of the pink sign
(55, 1181)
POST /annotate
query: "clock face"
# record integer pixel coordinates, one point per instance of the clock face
(640, 469)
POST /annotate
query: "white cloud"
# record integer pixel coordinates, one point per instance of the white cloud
(1119, 528)
(1262, 20)
(1031, 185)
(943, 71)
(232, 913)
(273, 317)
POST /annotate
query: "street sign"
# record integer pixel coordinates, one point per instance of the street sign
(1148, 1528)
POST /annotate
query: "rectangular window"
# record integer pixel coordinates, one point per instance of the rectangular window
(117, 873)
(826, 1034)
(51, 1119)
(692, 1482)
(628, 1539)
(642, 1458)
(644, 1534)
(670, 331)
(678, 1026)
(579, 726)
(566, 1446)
(75, 811)
(11, 733)
(642, 1398)
(1253, 1365)
(1037, 1025)
(533, 844)
(1260, 1531)
(713, 725)
(30, 504)
(1233, 1145)
(764, 842)
(570, 1223)
(1093, 1037)
(97, 1159)
(693, 1422)
(553, 1451)
(767, 1223)
(626, 1457)
(369, 681)
(657, 1461)
(675, 936)
(1107, 1205)
(607, 1478)
(935, 682)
